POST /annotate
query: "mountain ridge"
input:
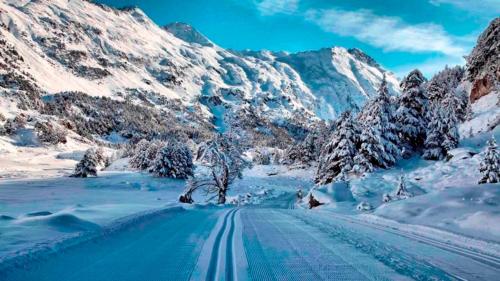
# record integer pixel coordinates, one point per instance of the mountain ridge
(64, 46)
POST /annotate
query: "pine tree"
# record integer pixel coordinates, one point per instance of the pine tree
(411, 113)
(89, 164)
(442, 133)
(490, 166)
(379, 135)
(371, 152)
(458, 100)
(308, 150)
(444, 82)
(338, 154)
(173, 161)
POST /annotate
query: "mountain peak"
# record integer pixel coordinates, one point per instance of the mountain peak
(362, 56)
(187, 33)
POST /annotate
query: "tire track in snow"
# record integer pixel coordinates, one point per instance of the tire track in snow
(214, 257)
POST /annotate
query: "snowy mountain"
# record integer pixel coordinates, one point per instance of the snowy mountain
(59, 46)
(188, 33)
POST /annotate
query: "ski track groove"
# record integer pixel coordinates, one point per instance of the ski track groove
(483, 258)
(214, 257)
(229, 250)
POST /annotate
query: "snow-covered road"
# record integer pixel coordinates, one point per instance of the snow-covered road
(256, 244)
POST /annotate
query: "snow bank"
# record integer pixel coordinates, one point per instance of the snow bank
(72, 206)
(472, 210)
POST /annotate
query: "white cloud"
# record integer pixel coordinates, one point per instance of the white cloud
(485, 7)
(271, 7)
(388, 33)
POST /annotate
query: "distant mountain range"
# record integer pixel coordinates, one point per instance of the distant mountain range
(81, 46)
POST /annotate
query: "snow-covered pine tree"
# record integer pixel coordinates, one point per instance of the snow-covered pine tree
(173, 160)
(411, 112)
(490, 166)
(402, 190)
(444, 82)
(379, 135)
(308, 150)
(371, 152)
(89, 164)
(458, 101)
(337, 155)
(442, 133)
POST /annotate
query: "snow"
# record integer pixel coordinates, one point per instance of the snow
(471, 211)
(486, 113)
(38, 161)
(71, 205)
(447, 222)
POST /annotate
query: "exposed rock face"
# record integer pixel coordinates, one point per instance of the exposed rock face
(481, 87)
(483, 66)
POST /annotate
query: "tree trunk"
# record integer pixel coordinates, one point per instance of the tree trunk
(186, 198)
(313, 202)
(224, 183)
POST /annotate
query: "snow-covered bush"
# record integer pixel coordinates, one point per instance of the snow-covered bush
(50, 133)
(145, 153)
(92, 160)
(174, 160)
(386, 197)
(402, 190)
(186, 196)
(337, 155)
(262, 157)
(12, 125)
(364, 206)
(490, 166)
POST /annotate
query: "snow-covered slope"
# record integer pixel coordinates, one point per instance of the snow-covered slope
(340, 79)
(187, 33)
(80, 46)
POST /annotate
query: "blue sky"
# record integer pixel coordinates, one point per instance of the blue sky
(400, 34)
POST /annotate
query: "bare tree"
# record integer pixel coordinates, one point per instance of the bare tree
(223, 163)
